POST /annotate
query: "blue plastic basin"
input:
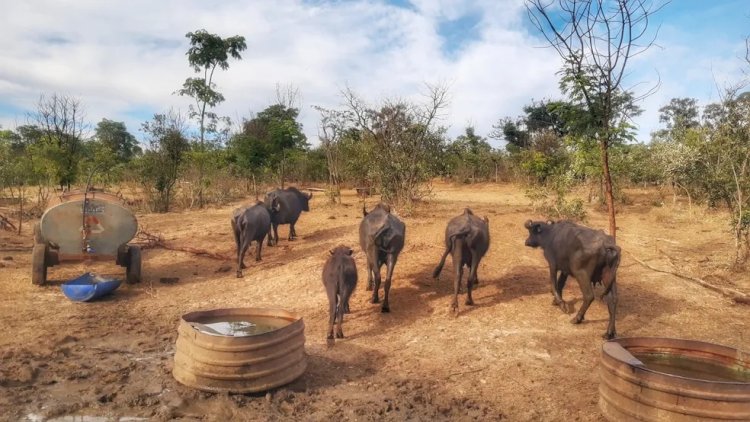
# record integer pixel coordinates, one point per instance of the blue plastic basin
(89, 287)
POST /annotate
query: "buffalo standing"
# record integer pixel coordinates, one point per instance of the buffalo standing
(291, 204)
(340, 280)
(251, 223)
(468, 237)
(381, 236)
(591, 256)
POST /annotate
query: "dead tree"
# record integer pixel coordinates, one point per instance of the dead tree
(596, 40)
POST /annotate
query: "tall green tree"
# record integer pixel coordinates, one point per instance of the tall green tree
(596, 40)
(207, 52)
(161, 165)
(116, 138)
(268, 141)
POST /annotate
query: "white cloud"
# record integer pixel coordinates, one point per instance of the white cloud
(121, 58)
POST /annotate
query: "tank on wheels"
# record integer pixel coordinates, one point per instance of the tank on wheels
(89, 225)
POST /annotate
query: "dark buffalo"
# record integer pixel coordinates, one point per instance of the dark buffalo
(340, 280)
(251, 223)
(468, 237)
(591, 256)
(381, 236)
(291, 204)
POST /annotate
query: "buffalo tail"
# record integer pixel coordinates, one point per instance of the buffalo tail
(609, 272)
(451, 244)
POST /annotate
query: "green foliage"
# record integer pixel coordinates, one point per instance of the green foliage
(206, 53)
(268, 142)
(552, 201)
(115, 138)
(470, 158)
(161, 165)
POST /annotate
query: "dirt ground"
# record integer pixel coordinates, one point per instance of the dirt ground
(513, 356)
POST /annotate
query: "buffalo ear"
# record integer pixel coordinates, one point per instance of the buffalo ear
(309, 196)
(330, 251)
(550, 222)
(486, 219)
(349, 252)
(527, 224)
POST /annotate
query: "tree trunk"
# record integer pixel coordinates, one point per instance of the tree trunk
(608, 185)
(20, 211)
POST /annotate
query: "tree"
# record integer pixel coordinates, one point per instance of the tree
(61, 121)
(331, 132)
(596, 40)
(474, 156)
(160, 167)
(206, 53)
(116, 138)
(406, 139)
(267, 140)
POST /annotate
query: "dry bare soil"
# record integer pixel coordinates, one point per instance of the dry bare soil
(513, 356)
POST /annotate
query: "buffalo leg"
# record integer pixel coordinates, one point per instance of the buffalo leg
(275, 233)
(587, 289)
(292, 234)
(331, 292)
(611, 299)
(472, 280)
(343, 308)
(391, 263)
(258, 249)
(369, 276)
(375, 268)
(557, 297)
(270, 235)
(458, 267)
(241, 257)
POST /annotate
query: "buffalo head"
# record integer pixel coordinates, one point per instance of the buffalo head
(536, 232)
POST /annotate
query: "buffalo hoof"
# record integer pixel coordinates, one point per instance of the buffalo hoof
(375, 300)
(385, 309)
(340, 334)
(566, 307)
(239, 274)
(576, 320)
(243, 266)
(258, 259)
(469, 302)
(609, 336)
(330, 336)
(346, 309)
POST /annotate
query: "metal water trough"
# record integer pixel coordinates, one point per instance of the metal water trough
(682, 380)
(85, 225)
(211, 360)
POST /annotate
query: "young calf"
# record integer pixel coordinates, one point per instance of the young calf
(340, 280)
(468, 237)
(591, 256)
(248, 224)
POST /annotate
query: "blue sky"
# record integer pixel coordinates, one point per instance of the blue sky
(124, 60)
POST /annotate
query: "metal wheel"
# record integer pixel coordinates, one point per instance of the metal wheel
(133, 272)
(122, 256)
(38, 234)
(39, 264)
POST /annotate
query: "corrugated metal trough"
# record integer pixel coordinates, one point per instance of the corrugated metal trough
(665, 379)
(239, 350)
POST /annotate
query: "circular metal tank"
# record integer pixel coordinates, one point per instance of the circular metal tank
(678, 384)
(213, 361)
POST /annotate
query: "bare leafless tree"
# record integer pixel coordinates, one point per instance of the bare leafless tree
(405, 136)
(62, 120)
(596, 40)
(333, 125)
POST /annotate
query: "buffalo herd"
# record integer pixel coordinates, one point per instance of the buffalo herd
(590, 256)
